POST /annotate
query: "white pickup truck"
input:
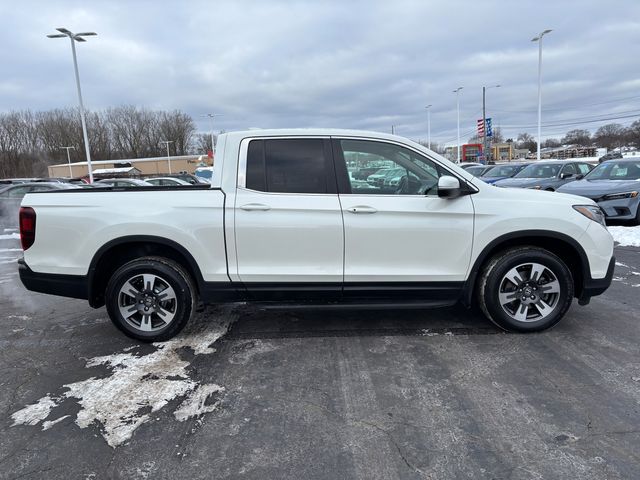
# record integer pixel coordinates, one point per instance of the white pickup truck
(290, 218)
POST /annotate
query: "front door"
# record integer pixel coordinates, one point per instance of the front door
(288, 222)
(399, 235)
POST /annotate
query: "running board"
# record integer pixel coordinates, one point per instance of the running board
(346, 305)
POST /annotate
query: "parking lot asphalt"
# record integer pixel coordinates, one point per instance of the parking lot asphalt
(323, 394)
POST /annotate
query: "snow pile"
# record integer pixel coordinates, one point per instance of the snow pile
(626, 236)
(136, 387)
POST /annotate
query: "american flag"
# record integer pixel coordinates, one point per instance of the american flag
(481, 128)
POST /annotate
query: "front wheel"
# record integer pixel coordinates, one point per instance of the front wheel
(150, 299)
(525, 289)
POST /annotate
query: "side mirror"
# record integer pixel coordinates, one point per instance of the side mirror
(565, 175)
(580, 177)
(449, 187)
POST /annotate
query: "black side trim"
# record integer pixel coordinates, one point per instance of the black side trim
(365, 292)
(286, 292)
(74, 286)
(404, 291)
(524, 234)
(593, 287)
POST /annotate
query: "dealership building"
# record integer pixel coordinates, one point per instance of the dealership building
(145, 166)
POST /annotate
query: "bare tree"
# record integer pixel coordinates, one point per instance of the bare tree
(610, 136)
(577, 137)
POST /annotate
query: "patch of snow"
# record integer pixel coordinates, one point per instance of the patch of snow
(34, 413)
(8, 236)
(137, 386)
(626, 236)
(48, 424)
(19, 317)
(194, 404)
(618, 279)
(620, 264)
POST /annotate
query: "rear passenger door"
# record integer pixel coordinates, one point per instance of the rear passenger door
(288, 221)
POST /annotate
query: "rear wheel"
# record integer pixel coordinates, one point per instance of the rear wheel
(525, 289)
(150, 299)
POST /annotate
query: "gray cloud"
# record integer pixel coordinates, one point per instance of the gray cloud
(357, 64)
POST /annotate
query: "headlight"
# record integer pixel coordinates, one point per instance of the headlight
(592, 212)
(617, 196)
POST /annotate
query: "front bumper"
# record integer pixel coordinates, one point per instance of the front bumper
(73, 286)
(596, 286)
(621, 209)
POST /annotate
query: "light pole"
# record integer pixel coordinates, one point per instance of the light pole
(539, 40)
(69, 159)
(457, 92)
(77, 37)
(167, 142)
(485, 140)
(211, 117)
(428, 126)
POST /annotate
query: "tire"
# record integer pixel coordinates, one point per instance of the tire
(151, 299)
(541, 278)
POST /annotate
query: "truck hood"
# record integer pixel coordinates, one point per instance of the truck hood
(596, 189)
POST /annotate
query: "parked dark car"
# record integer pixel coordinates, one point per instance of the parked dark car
(14, 181)
(11, 197)
(610, 156)
(547, 175)
(478, 170)
(502, 171)
(467, 165)
(615, 186)
(122, 182)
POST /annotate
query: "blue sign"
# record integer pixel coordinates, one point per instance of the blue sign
(489, 129)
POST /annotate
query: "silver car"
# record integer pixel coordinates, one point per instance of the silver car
(615, 186)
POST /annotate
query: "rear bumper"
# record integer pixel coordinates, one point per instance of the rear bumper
(73, 286)
(597, 286)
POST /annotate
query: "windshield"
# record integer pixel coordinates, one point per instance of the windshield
(612, 170)
(204, 173)
(540, 171)
(501, 171)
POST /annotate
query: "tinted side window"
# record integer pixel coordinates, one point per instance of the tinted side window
(386, 169)
(569, 169)
(287, 166)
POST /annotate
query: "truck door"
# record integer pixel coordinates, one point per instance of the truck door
(401, 238)
(288, 222)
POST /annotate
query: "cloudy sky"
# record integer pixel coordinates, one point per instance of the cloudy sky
(351, 64)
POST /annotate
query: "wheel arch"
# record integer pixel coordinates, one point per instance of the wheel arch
(117, 252)
(563, 246)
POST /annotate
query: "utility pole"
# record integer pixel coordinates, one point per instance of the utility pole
(211, 117)
(69, 159)
(428, 126)
(539, 40)
(457, 92)
(167, 142)
(486, 147)
(77, 37)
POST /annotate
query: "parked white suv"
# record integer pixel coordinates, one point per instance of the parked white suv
(283, 221)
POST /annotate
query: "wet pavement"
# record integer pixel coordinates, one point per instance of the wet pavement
(247, 393)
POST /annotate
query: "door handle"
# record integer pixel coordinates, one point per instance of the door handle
(362, 209)
(256, 207)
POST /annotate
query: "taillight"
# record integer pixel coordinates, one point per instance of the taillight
(27, 227)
